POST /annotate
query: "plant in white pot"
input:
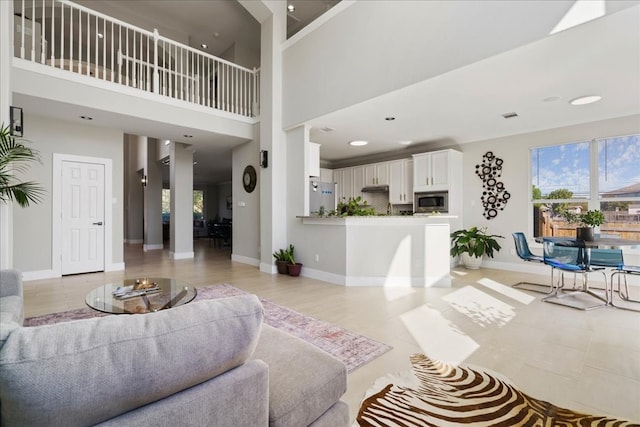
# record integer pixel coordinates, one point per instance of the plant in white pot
(472, 244)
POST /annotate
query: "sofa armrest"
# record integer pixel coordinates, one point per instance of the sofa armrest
(10, 283)
(88, 371)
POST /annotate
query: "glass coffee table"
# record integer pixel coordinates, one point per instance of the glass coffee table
(142, 295)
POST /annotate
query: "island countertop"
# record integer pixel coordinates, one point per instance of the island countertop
(377, 219)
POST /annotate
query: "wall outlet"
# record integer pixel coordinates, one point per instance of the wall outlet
(317, 258)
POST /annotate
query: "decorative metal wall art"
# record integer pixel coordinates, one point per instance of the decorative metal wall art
(494, 195)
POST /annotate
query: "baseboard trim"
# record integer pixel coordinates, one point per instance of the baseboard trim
(268, 268)
(181, 255)
(117, 266)
(39, 275)
(312, 273)
(245, 260)
(134, 241)
(155, 247)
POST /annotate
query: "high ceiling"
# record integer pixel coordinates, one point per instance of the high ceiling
(536, 81)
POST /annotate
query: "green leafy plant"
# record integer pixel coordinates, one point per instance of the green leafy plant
(475, 242)
(284, 254)
(15, 157)
(354, 207)
(592, 218)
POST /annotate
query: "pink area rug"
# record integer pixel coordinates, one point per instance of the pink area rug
(353, 349)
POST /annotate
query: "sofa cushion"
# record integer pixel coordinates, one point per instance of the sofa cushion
(87, 371)
(304, 381)
(11, 316)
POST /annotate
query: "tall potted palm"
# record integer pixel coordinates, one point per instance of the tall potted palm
(15, 158)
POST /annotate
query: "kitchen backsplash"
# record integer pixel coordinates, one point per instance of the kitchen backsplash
(379, 201)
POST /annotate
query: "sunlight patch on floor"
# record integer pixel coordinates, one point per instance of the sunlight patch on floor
(438, 337)
(392, 294)
(480, 307)
(507, 291)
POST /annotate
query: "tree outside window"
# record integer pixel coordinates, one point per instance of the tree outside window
(567, 177)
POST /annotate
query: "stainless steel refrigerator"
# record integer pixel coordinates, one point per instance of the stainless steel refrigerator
(322, 195)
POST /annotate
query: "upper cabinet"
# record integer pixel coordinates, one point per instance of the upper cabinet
(376, 174)
(344, 180)
(436, 171)
(401, 182)
(313, 159)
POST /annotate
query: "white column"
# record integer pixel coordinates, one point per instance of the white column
(273, 196)
(6, 55)
(181, 176)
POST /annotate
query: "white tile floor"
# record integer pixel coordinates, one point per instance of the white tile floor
(587, 361)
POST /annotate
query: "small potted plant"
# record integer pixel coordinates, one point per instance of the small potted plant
(293, 267)
(282, 259)
(472, 244)
(586, 222)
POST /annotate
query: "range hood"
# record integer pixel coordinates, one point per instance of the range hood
(376, 189)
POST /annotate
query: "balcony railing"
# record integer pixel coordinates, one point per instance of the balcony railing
(71, 37)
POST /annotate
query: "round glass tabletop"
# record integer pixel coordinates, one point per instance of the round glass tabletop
(142, 295)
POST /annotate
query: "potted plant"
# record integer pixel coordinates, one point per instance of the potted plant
(586, 222)
(354, 207)
(14, 157)
(472, 244)
(282, 259)
(293, 267)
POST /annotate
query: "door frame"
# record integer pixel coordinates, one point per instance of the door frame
(56, 211)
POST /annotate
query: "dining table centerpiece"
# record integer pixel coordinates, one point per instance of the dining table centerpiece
(586, 222)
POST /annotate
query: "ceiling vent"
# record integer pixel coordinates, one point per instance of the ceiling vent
(509, 115)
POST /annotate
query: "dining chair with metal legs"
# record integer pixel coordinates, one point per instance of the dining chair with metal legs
(523, 251)
(624, 270)
(570, 257)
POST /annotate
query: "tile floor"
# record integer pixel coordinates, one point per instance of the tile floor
(588, 361)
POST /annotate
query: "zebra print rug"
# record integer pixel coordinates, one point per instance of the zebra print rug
(437, 394)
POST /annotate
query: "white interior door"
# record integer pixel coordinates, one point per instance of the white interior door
(83, 186)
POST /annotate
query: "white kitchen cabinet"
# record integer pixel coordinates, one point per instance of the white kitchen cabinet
(376, 174)
(313, 159)
(344, 180)
(357, 173)
(401, 182)
(435, 171)
(326, 175)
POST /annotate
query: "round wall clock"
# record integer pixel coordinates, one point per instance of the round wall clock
(249, 179)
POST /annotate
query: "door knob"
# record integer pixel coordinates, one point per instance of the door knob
(97, 223)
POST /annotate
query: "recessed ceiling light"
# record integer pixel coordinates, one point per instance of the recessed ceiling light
(510, 115)
(327, 129)
(291, 8)
(358, 143)
(389, 119)
(187, 136)
(86, 118)
(404, 142)
(204, 45)
(584, 100)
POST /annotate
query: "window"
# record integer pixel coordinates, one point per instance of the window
(198, 205)
(599, 174)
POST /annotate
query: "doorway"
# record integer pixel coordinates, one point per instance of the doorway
(81, 214)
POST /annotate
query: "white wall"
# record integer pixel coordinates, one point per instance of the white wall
(246, 206)
(362, 52)
(32, 227)
(514, 150)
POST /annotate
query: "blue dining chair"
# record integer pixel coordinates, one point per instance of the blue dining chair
(523, 251)
(570, 257)
(624, 270)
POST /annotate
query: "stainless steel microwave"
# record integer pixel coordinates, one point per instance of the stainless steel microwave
(431, 202)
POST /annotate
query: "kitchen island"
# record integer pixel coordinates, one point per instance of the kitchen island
(393, 251)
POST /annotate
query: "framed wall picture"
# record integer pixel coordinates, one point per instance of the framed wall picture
(17, 126)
